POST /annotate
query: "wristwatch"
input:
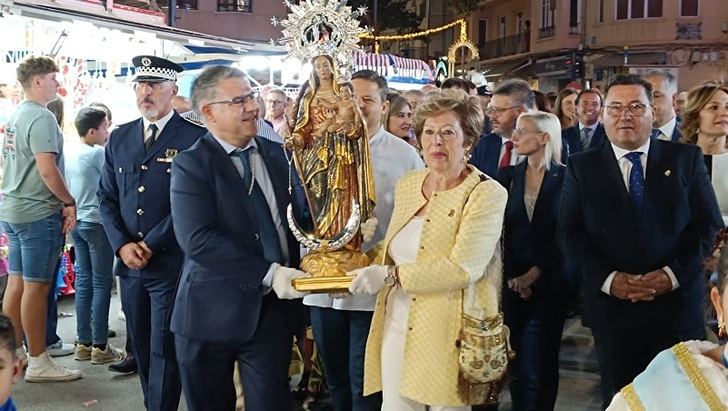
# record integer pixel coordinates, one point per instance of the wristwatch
(71, 204)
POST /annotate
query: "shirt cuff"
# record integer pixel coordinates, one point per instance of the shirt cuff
(608, 283)
(268, 279)
(673, 279)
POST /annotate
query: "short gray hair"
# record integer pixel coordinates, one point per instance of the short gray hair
(666, 76)
(518, 89)
(204, 86)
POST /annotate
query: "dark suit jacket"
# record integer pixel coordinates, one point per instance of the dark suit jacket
(571, 137)
(134, 193)
(220, 295)
(680, 218)
(486, 155)
(532, 243)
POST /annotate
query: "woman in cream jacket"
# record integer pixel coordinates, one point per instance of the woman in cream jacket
(445, 230)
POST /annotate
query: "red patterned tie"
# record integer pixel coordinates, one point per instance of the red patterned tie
(506, 159)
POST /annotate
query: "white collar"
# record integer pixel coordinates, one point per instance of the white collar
(591, 127)
(229, 148)
(159, 123)
(378, 136)
(668, 128)
(620, 152)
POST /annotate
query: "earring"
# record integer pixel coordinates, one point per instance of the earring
(466, 157)
(721, 328)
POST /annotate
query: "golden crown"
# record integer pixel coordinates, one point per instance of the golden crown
(316, 27)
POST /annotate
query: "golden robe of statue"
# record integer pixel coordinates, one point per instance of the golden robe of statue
(331, 155)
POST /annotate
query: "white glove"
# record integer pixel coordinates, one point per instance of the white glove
(367, 229)
(282, 283)
(368, 280)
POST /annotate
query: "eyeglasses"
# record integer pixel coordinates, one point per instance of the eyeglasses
(275, 102)
(523, 131)
(497, 111)
(635, 109)
(239, 100)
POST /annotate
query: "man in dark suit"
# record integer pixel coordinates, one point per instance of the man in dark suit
(639, 216)
(589, 132)
(664, 94)
(134, 192)
(495, 150)
(229, 196)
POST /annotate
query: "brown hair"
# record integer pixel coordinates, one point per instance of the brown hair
(34, 66)
(557, 106)
(698, 97)
(396, 103)
(465, 106)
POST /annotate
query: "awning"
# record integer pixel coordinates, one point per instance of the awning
(395, 68)
(184, 37)
(633, 59)
(504, 68)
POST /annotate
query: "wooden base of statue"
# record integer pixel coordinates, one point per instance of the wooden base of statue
(328, 271)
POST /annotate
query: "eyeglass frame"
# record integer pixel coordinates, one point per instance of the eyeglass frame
(629, 107)
(239, 100)
(275, 102)
(499, 111)
(516, 131)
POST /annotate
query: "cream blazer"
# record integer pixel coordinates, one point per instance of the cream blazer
(460, 237)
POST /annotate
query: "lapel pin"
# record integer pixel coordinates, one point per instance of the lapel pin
(667, 173)
(451, 213)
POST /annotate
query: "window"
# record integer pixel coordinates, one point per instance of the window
(181, 4)
(547, 14)
(688, 8)
(482, 32)
(600, 12)
(244, 6)
(574, 16)
(519, 23)
(638, 9)
(502, 27)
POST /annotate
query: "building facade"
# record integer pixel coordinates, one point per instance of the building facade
(543, 40)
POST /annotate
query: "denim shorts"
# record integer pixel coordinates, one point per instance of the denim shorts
(34, 248)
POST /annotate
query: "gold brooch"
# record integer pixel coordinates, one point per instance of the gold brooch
(667, 173)
(168, 155)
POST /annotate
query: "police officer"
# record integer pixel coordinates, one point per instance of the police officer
(135, 211)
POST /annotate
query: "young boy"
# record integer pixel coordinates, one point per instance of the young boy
(10, 365)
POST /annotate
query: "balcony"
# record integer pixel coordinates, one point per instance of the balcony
(516, 44)
(546, 32)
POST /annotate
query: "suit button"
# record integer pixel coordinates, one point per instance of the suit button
(121, 169)
(428, 220)
(169, 170)
(140, 234)
(257, 237)
(141, 189)
(140, 211)
(144, 167)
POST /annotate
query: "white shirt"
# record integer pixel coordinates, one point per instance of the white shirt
(515, 158)
(260, 174)
(159, 123)
(392, 157)
(625, 166)
(403, 250)
(667, 129)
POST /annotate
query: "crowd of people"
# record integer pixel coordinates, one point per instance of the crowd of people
(503, 206)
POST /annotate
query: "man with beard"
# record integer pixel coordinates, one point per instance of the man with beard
(495, 150)
(589, 133)
(135, 211)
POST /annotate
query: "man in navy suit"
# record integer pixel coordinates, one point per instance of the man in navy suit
(664, 94)
(495, 150)
(639, 216)
(589, 132)
(135, 211)
(229, 196)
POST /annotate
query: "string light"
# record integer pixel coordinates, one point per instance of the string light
(410, 36)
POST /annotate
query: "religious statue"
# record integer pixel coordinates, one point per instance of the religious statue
(331, 155)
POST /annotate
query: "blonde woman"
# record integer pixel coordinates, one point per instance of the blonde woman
(444, 231)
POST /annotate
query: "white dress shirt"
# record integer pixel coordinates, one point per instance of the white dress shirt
(260, 174)
(159, 123)
(667, 129)
(391, 157)
(625, 166)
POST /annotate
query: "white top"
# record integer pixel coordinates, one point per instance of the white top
(625, 166)
(391, 157)
(719, 179)
(402, 250)
(530, 203)
(667, 129)
(159, 123)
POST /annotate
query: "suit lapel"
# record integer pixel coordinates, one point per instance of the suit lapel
(163, 139)
(655, 176)
(611, 183)
(231, 174)
(407, 206)
(518, 189)
(598, 136)
(546, 192)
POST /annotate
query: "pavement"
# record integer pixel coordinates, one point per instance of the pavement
(100, 389)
